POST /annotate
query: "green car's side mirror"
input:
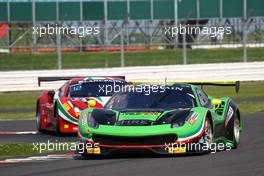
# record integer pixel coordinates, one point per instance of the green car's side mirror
(216, 102)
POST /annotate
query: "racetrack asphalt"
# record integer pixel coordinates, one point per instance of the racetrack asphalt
(28, 126)
(17, 125)
(246, 160)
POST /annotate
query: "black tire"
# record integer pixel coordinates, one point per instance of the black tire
(233, 133)
(208, 134)
(38, 119)
(57, 123)
(236, 131)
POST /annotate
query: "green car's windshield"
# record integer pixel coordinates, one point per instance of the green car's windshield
(168, 99)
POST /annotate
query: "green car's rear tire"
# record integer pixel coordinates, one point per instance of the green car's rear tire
(236, 131)
(208, 133)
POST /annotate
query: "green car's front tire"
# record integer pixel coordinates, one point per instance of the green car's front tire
(208, 133)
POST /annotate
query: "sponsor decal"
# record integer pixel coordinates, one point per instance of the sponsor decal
(133, 122)
(176, 150)
(84, 118)
(229, 115)
(193, 118)
(100, 80)
(140, 113)
(151, 113)
(93, 148)
(199, 132)
(65, 114)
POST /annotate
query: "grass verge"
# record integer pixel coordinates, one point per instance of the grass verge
(248, 90)
(251, 107)
(18, 100)
(18, 116)
(21, 150)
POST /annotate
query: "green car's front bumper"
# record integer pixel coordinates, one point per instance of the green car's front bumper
(160, 139)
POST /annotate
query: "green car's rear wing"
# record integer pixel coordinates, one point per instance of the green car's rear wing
(236, 84)
(66, 78)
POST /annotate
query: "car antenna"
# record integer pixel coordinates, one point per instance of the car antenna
(166, 77)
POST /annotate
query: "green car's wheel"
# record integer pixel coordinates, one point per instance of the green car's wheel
(208, 133)
(208, 136)
(236, 131)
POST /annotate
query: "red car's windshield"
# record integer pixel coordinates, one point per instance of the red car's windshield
(95, 89)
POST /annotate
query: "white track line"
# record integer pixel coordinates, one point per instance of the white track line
(17, 132)
(37, 158)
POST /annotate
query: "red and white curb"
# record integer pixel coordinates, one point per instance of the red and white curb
(37, 159)
(17, 132)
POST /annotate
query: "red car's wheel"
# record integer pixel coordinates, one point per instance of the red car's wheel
(39, 119)
(57, 122)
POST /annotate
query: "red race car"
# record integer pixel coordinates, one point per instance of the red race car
(59, 110)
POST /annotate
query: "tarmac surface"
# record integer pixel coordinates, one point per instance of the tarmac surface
(246, 160)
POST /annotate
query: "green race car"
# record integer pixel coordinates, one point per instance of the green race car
(164, 119)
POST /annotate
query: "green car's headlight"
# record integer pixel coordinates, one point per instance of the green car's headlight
(177, 124)
(180, 121)
(100, 117)
(91, 121)
(175, 118)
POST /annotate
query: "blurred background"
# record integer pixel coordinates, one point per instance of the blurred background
(131, 33)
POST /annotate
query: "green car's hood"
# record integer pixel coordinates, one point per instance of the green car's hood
(186, 131)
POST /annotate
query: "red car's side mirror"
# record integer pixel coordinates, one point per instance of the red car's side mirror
(51, 96)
